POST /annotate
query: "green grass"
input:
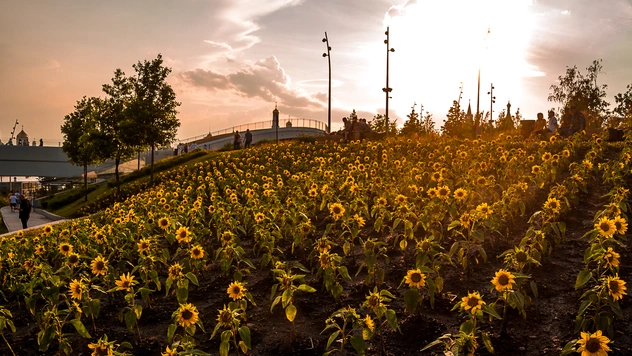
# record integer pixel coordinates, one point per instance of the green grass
(70, 210)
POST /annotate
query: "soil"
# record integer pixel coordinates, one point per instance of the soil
(548, 327)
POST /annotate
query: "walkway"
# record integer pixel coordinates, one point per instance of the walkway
(13, 223)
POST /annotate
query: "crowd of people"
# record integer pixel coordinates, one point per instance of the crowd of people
(572, 121)
(355, 129)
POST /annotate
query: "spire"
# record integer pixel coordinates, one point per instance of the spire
(469, 109)
(508, 108)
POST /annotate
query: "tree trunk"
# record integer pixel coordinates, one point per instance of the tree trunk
(151, 179)
(85, 182)
(117, 161)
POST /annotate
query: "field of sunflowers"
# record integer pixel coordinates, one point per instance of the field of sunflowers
(501, 246)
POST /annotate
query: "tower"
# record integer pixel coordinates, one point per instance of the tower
(275, 116)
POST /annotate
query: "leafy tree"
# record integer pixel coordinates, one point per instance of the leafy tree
(412, 126)
(118, 132)
(153, 107)
(623, 111)
(81, 136)
(577, 89)
(456, 124)
(378, 125)
(427, 126)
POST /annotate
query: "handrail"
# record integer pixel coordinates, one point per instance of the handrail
(261, 125)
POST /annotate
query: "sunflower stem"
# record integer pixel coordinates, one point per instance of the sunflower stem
(6, 342)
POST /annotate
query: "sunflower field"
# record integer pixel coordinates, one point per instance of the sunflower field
(395, 247)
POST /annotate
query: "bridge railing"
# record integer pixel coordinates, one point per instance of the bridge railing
(262, 125)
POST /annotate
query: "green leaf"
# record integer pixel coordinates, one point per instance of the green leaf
(344, 272)
(81, 329)
(171, 331)
(489, 309)
(487, 342)
(358, 344)
(287, 297)
(332, 338)
(290, 312)
(244, 333)
(411, 298)
(192, 278)
(391, 317)
(276, 301)
(138, 309)
(583, 278)
(306, 288)
(432, 344)
(130, 320)
(182, 295)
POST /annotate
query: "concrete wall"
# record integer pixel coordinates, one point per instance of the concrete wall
(38, 161)
(266, 134)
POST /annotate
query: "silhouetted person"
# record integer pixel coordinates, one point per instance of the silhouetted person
(248, 138)
(540, 126)
(41, 142)
(25, 210)
(237, 140)
(552, 124)
(13, 200)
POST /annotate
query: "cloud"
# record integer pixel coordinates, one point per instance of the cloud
(397, 10)
(222, 45)
(265, 79)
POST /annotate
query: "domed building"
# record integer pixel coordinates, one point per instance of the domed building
(22, 138)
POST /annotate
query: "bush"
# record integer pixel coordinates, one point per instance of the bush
(63, 199)
(4, 201)
(228, 146)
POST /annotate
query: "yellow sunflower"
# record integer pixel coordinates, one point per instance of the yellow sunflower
(552, 205)
(259, 217)
(99, 266)
(48, 229)
(197, 252)
(593, 344)
(616, 287)
(187, 315)
(143, 246)
(472, 302)
(401, 199)
(73, 260)
(620, 225)
(125, 282)
(415, 279)
(612, 258)
(605, 227)
(175, 271)
(370, 324)
(225, 318)
(236, 290)
(101, 348)
(460, 194)
(76, 289)
(359, 220)
(65, 249)
(443, 192)
(182, 235)
(163, 223)
(336, 210)
(504, 280)
(170, 352)
(484, 210)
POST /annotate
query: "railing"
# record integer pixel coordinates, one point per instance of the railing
(262, 125)
(47, 142)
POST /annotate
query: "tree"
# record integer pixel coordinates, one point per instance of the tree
(412, 125)
(378, 125)
(153, 106)
(81, 136)
(456, 124)
(623, 110)
(117, 129)
(427, 126)
(582, 91)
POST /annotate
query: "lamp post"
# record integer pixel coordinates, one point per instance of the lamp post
(492, 100)
(328, 55)
(478, 95)
(387, 90)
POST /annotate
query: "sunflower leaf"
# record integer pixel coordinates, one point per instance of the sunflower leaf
(583, 278)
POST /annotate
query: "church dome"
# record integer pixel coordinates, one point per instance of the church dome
(23, 135)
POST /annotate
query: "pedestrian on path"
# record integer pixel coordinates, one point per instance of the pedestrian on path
(13, 200)
(25, 210)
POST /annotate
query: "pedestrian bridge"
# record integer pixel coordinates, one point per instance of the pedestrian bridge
(46, 161)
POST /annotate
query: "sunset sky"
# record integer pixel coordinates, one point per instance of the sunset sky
(232, 59)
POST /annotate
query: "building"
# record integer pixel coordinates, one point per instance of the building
(22, 138)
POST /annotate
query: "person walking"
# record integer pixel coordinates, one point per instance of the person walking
(25, 210)
(237, 140)
(248, 138)
(13, 200)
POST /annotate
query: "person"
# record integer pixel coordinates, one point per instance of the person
(41, 142)
(565, 124)
(540, 126)
(186, 148)
(552, 124)
(248, 138)
(193, 146)
(25, 210)
(578, 119)
(175, 151)
(13, 200)
(237, 141)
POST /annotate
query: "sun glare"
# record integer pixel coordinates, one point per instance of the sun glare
(439, 44)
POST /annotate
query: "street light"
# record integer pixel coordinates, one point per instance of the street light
(387, 90)
(328, 55)
(492, 100)
(478, 95)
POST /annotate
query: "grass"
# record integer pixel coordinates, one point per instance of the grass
(105, 190)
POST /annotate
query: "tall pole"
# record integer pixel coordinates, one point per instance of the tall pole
(387, 90)
(478, 94)
(328, 55)
(492, 100)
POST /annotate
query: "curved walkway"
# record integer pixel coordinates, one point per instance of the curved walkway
(37, 219)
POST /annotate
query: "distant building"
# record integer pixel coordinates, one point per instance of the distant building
(22, 138)
(275, 117)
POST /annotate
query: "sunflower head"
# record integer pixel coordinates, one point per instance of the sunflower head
(65, 249)
(552, 205)
(593, 344)
(415, 279)
(369, 323)
(182, 234)
(236, 290)
(605, 227)
(621, 225)
(611, 258)
(101, 348)
(76, 289)
(187, 315)
(336, 210)
(616, 287)
(175, 271)
(443, 192)
(99, 266)
(143, 246)
(125, 282)
(197, 252)
(225, 318)
(73, 260)
(163, 223)
(460, 194)
(473, 302)
(503, 280)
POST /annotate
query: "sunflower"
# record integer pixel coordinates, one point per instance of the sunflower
(175, 271)
(401, 199)
(306, 228)
(182, 235)
(65, 249)
(101, 348)
(170, 352)
(73, 260)
(337, 210)
(443, 192)
(482, 181)
(504, 280)
(546, 156)
(259, 217)
(460, 194)
(553, 205)
(484, 210)
(225, 318)
(620, 225)
(125, 282)
(415, 279)
(143, 246)
(76, 288)
(324, 259)
(227, 237)
(359, 220)
(163, 223)
(99, 266)
(616, 287)
(29, 266)
(197, 252)
(381, 201)
(313, 193)
(593, 344)
(236, 290)
(472, 302)
(373, 301)
(48, 229)
(605, 227)
(187, 315)
(612, 258)
(370, 324)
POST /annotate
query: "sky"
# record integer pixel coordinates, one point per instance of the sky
(232, 60)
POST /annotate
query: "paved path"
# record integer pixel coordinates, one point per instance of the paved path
(13, 223)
